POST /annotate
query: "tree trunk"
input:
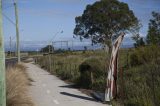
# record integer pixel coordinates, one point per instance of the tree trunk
(107, 67)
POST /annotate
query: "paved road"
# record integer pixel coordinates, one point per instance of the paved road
(48, 90)
(13, 61)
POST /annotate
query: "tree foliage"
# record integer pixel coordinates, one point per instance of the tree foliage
(139, 41)
(153, 36)
(104, 20)
(48, 48)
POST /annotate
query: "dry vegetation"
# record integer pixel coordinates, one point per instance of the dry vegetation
(17, 87)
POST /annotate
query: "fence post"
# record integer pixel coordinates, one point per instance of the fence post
(49, 57)
(122, 84)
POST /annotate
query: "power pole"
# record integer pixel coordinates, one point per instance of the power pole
(72, 45)
(17, 32)
(61, 44)
(10, 46)
(67, 45)
(52, 47)
(2, 64)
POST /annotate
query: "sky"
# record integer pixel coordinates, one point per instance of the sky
(40, 20)
(142, 10)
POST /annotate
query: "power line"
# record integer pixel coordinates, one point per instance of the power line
(9, 19)
(12, 22)
(7, 7)
(11, 5)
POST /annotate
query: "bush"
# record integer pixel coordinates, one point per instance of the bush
(92, 71)
(144, 55)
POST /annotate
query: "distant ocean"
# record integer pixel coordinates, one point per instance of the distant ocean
(89, 47)
(73, 45)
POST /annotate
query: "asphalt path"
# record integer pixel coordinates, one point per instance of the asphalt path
(48, 90)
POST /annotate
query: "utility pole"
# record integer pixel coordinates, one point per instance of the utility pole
(67, 45)
(2, 64)
(10, 44)
(72, 45)
(52, 47)
(61, 44)
(17, 32)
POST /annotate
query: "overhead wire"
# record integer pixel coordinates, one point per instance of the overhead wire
(9, 19)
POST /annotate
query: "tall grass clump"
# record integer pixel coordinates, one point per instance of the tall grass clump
(17, 86)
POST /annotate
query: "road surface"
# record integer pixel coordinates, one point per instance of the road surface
(12, 61)
(48, 90)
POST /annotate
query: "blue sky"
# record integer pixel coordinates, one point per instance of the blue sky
(143, 9)
(39, 20)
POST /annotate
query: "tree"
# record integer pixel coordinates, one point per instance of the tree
(48, 48)
(105, 20)
(153, 36)
(139, 41)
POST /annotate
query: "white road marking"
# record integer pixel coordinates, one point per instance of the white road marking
(39, 80)
(44, 85)
(48, 91)
(55, 101)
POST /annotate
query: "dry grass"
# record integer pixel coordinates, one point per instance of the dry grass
(17, 87)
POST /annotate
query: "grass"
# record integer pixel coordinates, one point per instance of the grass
(140, 82)
(17, 86)
(66, 67)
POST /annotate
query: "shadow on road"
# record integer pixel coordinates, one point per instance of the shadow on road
(78, 96)
(69, 86)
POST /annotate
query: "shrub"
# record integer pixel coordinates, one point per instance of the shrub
(144, 55)
(91, 70)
